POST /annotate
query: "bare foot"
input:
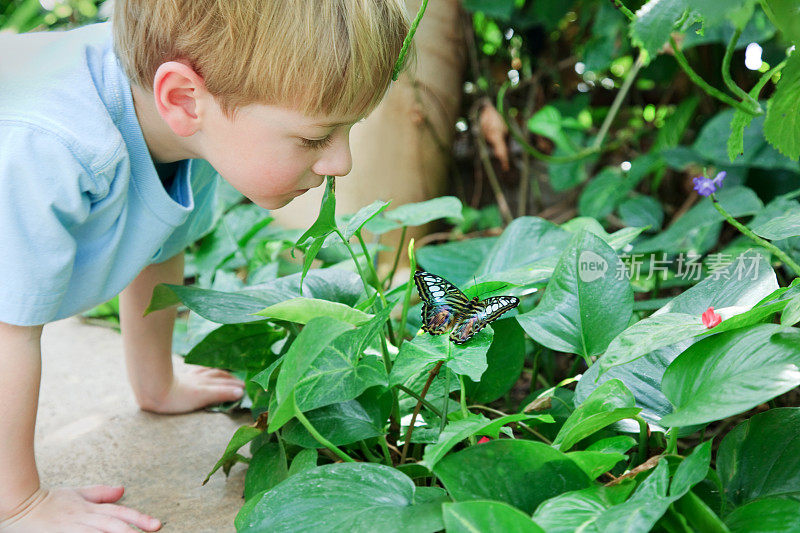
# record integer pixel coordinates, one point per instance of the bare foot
(80, 509)
(196, 388)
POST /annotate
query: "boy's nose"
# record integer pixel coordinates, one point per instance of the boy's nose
(336, 161)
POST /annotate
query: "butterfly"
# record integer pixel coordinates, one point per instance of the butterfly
(446, 308)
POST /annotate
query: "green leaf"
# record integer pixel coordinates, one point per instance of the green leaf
(242, 436)
(760, 458)
(669, 136)
(314, 337)
(527, 244)
(770, 515)
(609, 403)
(603, 193)
(639, 513)
(791, 313)
(424, 351)
(739, 122)
(302, 310)
(595, 464)
(352, 497)
(618, 444)
(571, 511)
(470, 517)
(692, 470)
(498, 9)
(331, 371)
(731, 372)
(341, 423)
(522, 474)
(781, 226)
(505, 358)
(421, 213)
(642, 211)
(364, 215)
(548, 122)
(305, 459)
(586, 304)
(782, 126)
(656, 331)
(237, 347)
(326, 220)
(217, 306)
(456, 261)
(267, 468)
(456, 431)
(757, 151)
(643, 376)
(691, 231)
(785, 14)
(654, 22)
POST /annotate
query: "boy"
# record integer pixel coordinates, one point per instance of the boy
(109, 149)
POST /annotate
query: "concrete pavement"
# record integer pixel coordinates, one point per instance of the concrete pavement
(90, 431)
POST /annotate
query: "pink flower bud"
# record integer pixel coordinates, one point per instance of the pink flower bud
(710, 318)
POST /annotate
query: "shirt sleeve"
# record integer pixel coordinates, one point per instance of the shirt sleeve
(203, 180)
(41, 199)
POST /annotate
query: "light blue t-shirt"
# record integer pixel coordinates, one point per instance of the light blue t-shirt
(82, 209)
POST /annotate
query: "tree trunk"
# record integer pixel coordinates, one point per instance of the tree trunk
(402, 151)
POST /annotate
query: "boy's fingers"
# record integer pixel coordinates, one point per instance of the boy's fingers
(107, 524)
(129, 516)
(225, 392)
(101, 493)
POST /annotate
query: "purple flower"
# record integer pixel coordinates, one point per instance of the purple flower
(707, 186)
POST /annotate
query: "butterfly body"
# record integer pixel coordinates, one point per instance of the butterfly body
(445, 308)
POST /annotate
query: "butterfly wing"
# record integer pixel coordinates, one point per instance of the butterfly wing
(442, 302)
(481, 313)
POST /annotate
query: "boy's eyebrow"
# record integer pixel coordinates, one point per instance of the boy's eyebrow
(331, 124)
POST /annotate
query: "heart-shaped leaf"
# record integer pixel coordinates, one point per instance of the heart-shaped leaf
(469, 517)
(732, 372)
(523, 473)
(586, 303)
(352, 497)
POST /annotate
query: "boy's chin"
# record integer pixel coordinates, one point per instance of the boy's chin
(274, 202)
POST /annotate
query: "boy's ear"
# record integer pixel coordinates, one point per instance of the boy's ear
(177, 89)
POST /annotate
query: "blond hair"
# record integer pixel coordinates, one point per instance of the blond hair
(322, 57)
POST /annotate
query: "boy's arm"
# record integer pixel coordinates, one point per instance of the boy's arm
(148, 350)
(20, 371)
(148, 339)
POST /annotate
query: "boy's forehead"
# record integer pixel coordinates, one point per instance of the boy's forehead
(294, 115)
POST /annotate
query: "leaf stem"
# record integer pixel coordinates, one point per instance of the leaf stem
(355, 260)
(523, 425)
(512, 128)
(462, 399)
(426, 403)
(672, 442)
(621, 94)
(407, 296)
(780, 254)
(642, 455)
(625, 11)
(386, 283)
(401, 60)
(755, 92)
(431, 375)
(726, 72)
(318, 436)
(703, 84)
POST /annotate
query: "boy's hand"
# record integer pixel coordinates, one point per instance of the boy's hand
(196, 388)
(77, 510)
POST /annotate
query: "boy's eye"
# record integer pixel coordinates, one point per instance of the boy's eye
(316, 144)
